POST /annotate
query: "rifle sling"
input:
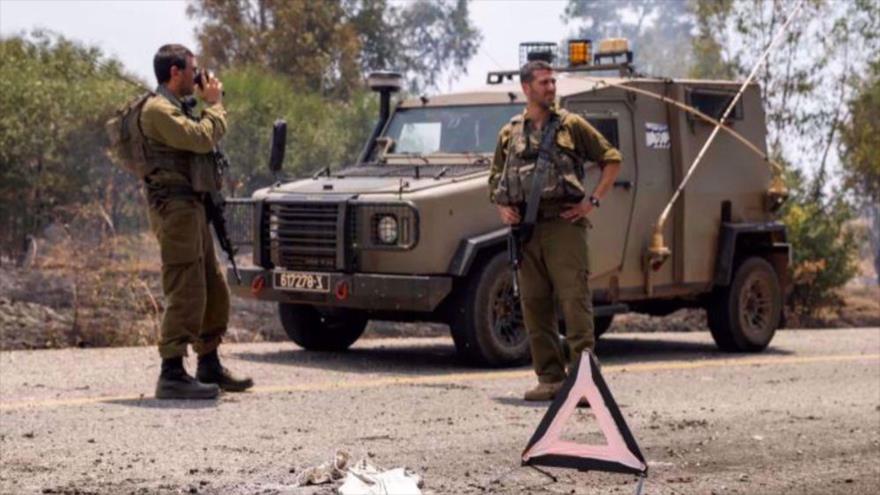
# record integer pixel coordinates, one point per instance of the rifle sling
(539, 177)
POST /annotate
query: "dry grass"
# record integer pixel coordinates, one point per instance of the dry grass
(91, 288)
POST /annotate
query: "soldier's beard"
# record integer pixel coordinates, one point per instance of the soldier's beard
(547, 103)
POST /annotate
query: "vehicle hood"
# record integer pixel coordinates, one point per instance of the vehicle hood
(364, 185)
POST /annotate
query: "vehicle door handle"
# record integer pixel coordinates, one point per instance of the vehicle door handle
(624, 184)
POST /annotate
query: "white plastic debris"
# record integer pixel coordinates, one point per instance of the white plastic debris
(366, 479)
(325, 473)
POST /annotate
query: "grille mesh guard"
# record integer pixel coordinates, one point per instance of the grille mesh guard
(239, 213)
(306, 235)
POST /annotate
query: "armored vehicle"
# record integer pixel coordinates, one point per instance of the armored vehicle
(407, 233)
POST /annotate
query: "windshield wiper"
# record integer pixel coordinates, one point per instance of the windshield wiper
(417, 168)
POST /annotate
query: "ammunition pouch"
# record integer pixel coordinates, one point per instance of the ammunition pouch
(563, 182)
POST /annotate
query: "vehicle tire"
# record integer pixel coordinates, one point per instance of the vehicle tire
(486, 320)
(601, 324)
(315, 330)
(744, 316)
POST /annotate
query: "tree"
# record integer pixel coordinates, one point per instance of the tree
(55, 95)
(860, 138)
(321, 132)
(806, 80)
(327, 46)
(430, 39)
(860, 147)
(659, 31)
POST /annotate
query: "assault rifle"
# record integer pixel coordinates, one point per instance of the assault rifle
(514, 255)
(519, 234)
(215, 205)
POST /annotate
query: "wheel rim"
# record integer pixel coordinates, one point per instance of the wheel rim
(506, 316)
(756, 307)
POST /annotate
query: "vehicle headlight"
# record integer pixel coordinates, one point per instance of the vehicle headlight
(387, 229)
(384, 226)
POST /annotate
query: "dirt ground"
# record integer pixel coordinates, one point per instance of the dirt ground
(802, 417)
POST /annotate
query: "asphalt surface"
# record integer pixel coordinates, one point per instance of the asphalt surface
(801, 417)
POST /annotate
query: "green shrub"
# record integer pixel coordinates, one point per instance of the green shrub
(825, 249)
(320, 132)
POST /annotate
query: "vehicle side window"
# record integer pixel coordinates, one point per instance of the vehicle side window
(607, 126)
(714, 102)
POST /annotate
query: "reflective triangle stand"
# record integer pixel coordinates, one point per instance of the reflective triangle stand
(621, 453)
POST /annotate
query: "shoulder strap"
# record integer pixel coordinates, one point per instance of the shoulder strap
(540, 175)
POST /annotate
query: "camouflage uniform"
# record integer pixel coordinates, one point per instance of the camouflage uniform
(556, 259)
(177, 148)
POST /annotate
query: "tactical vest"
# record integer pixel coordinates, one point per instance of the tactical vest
(564, 179)
(201, 170)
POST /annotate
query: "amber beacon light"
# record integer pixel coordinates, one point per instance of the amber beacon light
(579, 52)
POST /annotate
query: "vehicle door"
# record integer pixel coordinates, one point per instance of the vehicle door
(612, 220)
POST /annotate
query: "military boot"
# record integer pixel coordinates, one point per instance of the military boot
(211, 371)
(543, 391)
(175, 383)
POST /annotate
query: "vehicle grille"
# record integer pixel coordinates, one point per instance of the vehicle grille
(239, 214)
(305, 236)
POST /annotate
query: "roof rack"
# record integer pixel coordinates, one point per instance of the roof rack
(624, 68)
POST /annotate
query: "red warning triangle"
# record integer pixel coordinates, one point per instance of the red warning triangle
(621, 454)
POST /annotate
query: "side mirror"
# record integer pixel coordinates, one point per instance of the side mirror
(279, 145)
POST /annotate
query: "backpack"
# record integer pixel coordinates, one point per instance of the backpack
(126, 148)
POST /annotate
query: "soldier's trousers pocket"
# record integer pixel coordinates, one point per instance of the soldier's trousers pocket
(179, 232)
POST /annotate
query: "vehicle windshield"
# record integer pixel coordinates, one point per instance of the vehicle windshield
(456, 129)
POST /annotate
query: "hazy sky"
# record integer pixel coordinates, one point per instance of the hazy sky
(132, 30)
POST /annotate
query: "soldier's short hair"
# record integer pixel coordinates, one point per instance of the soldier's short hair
(168, 56)
(527, 71)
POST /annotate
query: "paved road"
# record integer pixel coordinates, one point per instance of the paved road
(802, 417)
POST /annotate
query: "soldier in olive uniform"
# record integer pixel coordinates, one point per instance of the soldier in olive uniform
(178, 147)
(555, 262)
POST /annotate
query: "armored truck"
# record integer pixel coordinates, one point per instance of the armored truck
(407, 232)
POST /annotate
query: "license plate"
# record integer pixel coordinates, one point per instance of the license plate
(302, 281)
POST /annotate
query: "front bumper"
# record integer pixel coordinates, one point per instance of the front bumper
(365, 291)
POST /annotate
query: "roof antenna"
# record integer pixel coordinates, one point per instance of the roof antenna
(657, 252)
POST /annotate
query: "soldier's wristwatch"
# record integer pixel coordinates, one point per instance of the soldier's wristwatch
(594, 201)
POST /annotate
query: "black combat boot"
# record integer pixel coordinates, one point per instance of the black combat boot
(211, 371)
(175, 383)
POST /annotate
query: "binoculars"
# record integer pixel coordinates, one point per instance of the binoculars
(202, 76)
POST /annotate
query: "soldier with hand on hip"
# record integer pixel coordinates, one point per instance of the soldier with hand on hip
(553, 145)
(181, 170)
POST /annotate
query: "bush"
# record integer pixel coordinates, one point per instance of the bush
(321, 132)
(825, 249)
(55, 95)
